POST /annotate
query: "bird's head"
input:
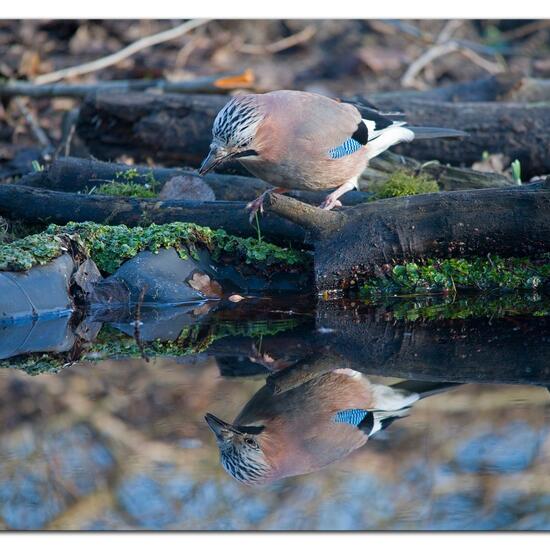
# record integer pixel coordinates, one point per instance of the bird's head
(241, 451)
(234, 132)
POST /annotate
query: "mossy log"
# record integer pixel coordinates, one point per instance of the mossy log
(356, 243)
(28, 204)
(75, 175)
(71, 174)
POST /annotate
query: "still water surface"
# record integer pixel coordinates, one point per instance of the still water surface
(341, 416)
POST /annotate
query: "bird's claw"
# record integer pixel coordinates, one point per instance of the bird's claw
(255, 206)
(329, 203)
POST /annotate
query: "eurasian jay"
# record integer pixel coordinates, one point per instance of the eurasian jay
(305, 141)
(304, 429)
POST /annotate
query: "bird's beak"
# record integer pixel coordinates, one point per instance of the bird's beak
(214, 158)
(221, 429)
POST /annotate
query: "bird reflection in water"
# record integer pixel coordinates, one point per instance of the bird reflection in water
(298, 429)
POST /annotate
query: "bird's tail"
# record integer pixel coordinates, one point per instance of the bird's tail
(424, 388)
(426, 132)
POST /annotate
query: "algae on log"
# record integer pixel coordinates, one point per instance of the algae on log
(357, 243)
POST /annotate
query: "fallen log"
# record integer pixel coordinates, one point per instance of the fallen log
(449, 178)
(71, 174)
(29, 204)
(174, 129)
(508, 86)
(518, 131)
(177, 129)
(355, 243)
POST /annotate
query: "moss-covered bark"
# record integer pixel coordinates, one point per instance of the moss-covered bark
(110, 246)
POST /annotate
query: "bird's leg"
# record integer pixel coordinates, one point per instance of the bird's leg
(332, 200)
(257, 205)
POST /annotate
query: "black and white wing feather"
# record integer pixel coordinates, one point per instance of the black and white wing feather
(381, 130)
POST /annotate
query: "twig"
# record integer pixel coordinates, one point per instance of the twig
(68, 129)
(39, 134)
(284, 44)
(448, 30)
(137, 322)
(128, 51)
(524, 30)
(440, 50)
(69, 140)
(489, 66)
(205, 84)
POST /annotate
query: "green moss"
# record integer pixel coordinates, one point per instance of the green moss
(117, 189)
(130, 183)
(455, 274)
(36, 363)
(32, 250)
(437, 308)
(110, 246)
(401, 184)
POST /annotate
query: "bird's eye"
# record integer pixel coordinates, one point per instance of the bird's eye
(251, 442)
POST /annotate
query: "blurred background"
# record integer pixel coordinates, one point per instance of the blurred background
(335, 57)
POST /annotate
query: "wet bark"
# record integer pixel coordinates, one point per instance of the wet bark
(508, 86)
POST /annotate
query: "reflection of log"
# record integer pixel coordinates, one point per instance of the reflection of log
(358, 241)
(513, 351)
(29, 204)
(177, 129)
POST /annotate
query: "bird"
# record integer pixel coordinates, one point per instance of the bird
(308, 427)
(296, 140)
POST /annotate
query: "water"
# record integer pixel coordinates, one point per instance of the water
(114, 437)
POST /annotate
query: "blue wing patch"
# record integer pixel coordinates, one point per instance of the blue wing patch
(350, 416)
(347, 148)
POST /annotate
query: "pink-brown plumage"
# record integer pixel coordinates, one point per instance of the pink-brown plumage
(305, 141)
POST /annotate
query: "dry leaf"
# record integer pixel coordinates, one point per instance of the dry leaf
(203, 283)
(492, 163)
(243, 80)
